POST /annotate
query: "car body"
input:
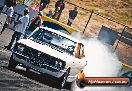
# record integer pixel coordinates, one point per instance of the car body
(50, 52)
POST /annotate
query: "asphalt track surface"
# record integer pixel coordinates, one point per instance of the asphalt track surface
(20, 80)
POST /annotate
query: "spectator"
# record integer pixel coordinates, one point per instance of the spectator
(72, 16)
(43, 4)
(27, 2)
(9, 3)
(8, 9)
(35, 22)
(50, 14)
(21, 25)
(59, 6)
(36, 7)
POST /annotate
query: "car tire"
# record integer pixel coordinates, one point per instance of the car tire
(28, 70)
(12, 63)
(64, 78)
(80, 83)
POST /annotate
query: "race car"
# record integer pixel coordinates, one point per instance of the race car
(51, 52)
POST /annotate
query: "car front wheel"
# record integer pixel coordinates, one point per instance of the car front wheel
(64, 78)
(12, 63)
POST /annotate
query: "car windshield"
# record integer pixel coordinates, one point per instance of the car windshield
(54, 40)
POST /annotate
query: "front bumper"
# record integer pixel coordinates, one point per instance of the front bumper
(35, 65)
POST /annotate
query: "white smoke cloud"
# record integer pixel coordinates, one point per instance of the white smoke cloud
(101, 62)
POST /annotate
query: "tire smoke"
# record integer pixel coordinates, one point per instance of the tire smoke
(101, 62)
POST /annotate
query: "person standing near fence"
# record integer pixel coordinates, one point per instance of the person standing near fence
(43, 4)
(27, 2)
(8, 9)
(36, 6)
(21, 25)
(35, 22)
(72, 16)
(50, 14)
(59, 6)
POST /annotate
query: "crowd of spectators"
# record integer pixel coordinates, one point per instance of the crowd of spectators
(23, 27)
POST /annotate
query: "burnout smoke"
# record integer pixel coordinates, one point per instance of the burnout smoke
(101, 62)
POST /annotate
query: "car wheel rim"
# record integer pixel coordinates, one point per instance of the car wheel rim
(64, 80)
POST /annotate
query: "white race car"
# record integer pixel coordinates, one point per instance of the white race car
(50, 52)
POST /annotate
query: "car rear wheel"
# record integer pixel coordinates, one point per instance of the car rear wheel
(80, 83)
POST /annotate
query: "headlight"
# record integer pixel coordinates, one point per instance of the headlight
(20, 48)
(58, 64)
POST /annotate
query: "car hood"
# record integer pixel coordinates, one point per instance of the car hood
(48, 50)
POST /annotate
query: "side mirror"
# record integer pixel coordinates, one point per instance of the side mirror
(79, 51)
